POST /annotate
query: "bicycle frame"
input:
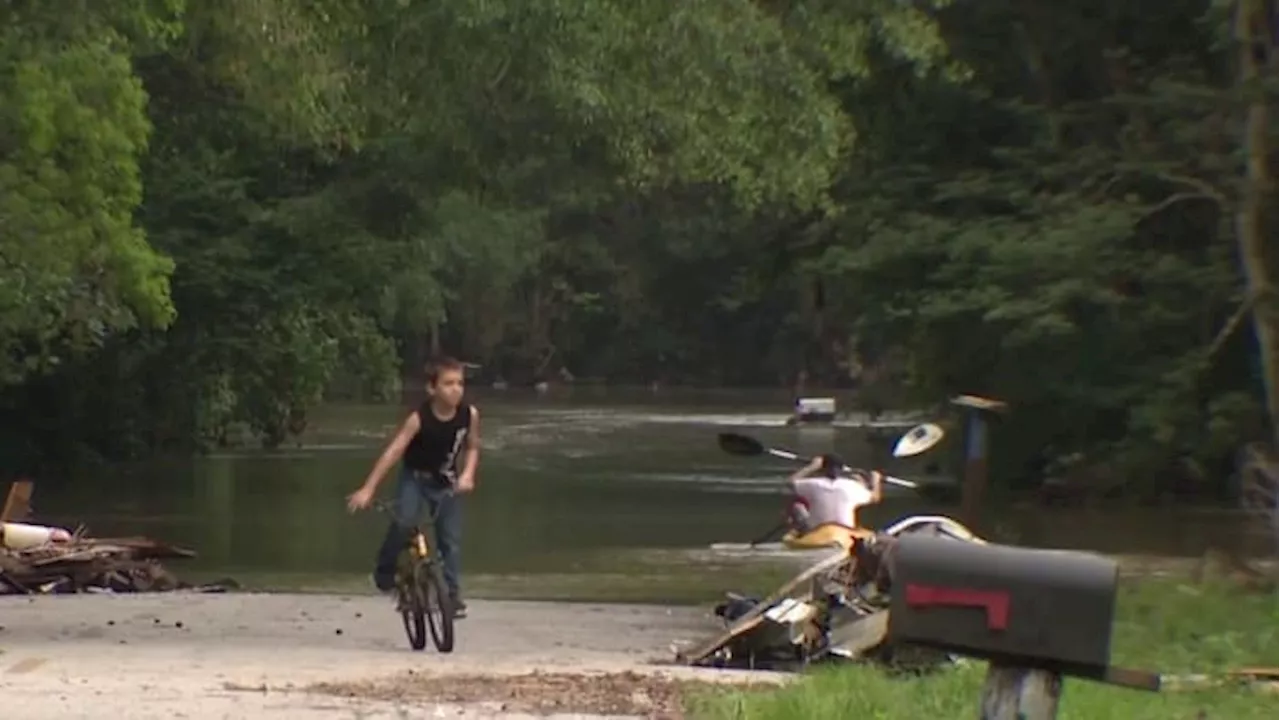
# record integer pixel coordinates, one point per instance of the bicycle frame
(417, 540)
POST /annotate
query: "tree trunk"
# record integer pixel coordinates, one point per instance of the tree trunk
(1256, 50)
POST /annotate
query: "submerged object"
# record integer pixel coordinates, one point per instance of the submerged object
(820, 410)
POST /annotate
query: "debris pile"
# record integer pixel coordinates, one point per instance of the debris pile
(837, 610)
(88, 565)
(37, 559)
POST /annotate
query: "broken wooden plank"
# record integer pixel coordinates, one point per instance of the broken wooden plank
(1262, 679)
(90, 550)
(752, 617)
(976, 402)
(17, 506)
(145, 548)
(1255, 673)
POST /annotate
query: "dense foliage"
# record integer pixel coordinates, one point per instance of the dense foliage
(214, 215)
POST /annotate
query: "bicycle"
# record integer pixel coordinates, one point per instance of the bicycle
(421, 595)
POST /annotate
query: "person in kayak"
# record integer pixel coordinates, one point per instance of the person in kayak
(429, 441)
(825, 497)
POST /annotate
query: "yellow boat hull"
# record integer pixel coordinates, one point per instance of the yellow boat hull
(825, 536)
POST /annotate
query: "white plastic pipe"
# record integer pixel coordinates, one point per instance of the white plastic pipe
(19, 536)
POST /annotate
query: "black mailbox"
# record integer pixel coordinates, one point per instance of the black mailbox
(1047, 608)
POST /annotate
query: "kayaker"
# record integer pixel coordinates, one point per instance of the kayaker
(429, 441)
(824, 496)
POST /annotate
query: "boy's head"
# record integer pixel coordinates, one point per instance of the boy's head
(445, 381)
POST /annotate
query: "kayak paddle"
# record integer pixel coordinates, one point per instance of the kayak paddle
(746, 446)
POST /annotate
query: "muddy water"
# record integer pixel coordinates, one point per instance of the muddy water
(564, 478)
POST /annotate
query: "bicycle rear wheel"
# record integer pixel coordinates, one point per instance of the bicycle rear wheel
(438, 605)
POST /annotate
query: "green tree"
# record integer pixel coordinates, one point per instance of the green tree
(74, 127)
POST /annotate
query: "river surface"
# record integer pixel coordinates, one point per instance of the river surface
(562, 477)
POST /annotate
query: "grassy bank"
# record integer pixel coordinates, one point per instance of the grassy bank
(636, 585)
(658, 577)
(1163, 624)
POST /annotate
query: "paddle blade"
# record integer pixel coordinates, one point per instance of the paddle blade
(917, 440)
(736, 444)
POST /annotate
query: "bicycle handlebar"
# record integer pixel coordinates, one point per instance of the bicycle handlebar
(389, 507)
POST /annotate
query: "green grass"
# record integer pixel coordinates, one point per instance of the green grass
(1162, 625)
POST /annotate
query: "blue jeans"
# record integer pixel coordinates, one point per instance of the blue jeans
(413, 493)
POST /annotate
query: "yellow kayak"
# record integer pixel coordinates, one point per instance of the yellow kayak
(825, 536)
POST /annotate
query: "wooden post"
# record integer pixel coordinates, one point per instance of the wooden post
(975, 454)
(976, 468)
(1020, 693)
(18, 504)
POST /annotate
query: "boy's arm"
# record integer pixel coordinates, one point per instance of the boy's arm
(393, 452)
(471, 459)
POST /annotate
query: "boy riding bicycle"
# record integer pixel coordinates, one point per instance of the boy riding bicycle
(429, 441)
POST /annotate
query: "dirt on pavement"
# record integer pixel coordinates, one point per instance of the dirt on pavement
(625, 694)
(181, 655)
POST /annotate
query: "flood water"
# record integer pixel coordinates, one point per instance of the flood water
(562, 477)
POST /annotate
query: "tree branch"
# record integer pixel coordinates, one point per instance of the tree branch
(1237, 318)
(501, 74)
(1174, 200)
(1200, 186)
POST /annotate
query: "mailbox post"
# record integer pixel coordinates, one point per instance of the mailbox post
(1034, 615)
(1020, 693)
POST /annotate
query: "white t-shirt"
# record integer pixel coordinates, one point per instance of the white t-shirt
(833, 501)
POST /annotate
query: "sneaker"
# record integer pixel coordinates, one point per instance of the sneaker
(459, 608)
(390, 593)
(384, 584)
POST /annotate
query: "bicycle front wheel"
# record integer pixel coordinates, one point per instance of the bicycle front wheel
(438, 605)
(413, 614)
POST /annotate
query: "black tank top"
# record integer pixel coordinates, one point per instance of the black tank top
(436, 447)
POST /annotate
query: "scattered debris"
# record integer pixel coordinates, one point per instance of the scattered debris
(1261, 679)
(89, 565)
(836, 610)
(627, 693)
(38, 559)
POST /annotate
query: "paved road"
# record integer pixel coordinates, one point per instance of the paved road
(192, 656)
